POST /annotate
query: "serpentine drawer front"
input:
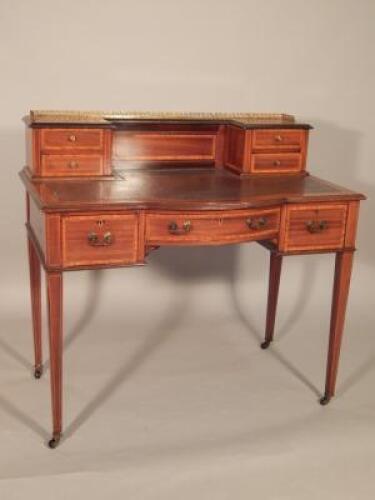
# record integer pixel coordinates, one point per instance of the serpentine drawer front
(315, 226)
(211, 228)
(99, 239)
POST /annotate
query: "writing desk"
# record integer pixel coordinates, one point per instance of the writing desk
(104, 190)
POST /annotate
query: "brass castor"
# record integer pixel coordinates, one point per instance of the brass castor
(325, 400)
(265, 344)
(52, 443)
(38, 371)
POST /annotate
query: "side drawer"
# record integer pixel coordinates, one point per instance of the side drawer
(315, 226)
(99, 239)
(279, 139)
(212, 228)
(70, 139)
(271, 163)
(71, 165)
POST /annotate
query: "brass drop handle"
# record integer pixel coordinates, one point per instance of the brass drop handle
(278, 138)
(72, 138)
(73, 164)
(94, 240)
(174, 228)
(315, 226)
(256, 222)
(107, 238)
(277, 163)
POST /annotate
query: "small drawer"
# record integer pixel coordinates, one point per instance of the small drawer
(71, 139)
(273, 163)
(214, 228)
(99, 239)
(279, 139)
(71, 165)
(315, 227)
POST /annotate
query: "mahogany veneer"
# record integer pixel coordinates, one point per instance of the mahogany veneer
(103, 190)
(64, 165)
(69, 151)
(266, 151)
(164, 146)
(71, 139)
(275, 163)
(315, 226)
(99, 239)
(279, 139)
(212, 228)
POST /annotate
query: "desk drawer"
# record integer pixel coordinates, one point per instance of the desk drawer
(211, 228)
(99, 239)
(271, 163)
(71, 165)
(71, 139)
(278, 139)
(315, 226)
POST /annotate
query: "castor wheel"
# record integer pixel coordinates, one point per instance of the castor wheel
(38, 372)
(52, 443)
(265, 344)
(324, 400)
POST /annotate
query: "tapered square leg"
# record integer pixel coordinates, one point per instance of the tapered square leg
(273, 293)
(55, 321)
(343, 269)
(36, 307)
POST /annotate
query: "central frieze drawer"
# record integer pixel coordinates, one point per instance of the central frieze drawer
(211, 228)
(99, 239)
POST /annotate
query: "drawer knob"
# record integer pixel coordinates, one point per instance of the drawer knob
(278, 138)
(73, 164)
(257, 222)
(94, 240)
(315, 226)
(72, 138)
(277, 163)
(174, 228)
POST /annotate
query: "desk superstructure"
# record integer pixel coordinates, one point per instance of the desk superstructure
(106, 189)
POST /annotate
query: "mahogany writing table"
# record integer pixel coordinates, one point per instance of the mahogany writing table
(104, 190)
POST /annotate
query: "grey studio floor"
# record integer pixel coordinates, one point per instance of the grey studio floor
(168, 395)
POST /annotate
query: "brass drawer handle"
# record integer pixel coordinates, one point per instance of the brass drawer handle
(314, 226)
(107, 238)
(174, 229)
(94, 240)
(73, 164)
(256, 222)
(72, 138)
(278, 138)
